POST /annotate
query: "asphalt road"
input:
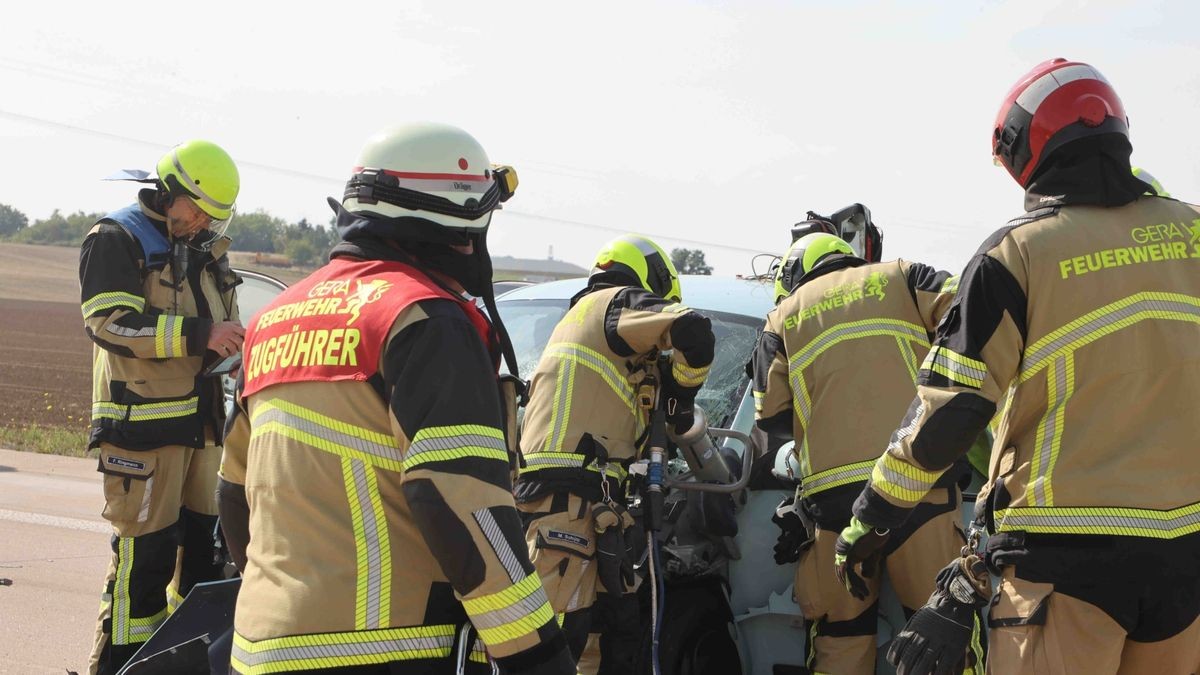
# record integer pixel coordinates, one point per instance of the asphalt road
(54, 550)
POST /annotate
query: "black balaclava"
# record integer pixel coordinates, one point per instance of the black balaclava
(1093, 170)
(429, 245)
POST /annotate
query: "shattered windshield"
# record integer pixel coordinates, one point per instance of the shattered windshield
(530, 323)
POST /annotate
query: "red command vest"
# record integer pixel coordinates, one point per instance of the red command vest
(332, 325)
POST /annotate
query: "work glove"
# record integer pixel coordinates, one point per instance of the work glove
(937, 637)
(613, 566)
(796, 531)
(858, 544)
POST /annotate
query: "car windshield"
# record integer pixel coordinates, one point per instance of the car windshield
(530, 323)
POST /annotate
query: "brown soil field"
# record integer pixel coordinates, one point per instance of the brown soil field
(45, 357)
(45, 365)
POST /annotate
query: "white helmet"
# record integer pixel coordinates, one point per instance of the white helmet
(431, 171)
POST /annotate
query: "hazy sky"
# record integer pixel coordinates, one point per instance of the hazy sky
(704, 124)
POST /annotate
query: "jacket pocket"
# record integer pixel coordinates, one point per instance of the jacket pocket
(563, 551)
(128, 478)
(1019, 602)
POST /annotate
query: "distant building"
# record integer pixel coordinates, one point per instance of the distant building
(530, 269)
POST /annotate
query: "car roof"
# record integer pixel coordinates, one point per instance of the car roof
(747, 297)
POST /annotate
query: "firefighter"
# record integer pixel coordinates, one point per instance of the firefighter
(848, 335)
(158, 301)
(1149, 179)
(365, 489)
(590, 402)
(1087, 307)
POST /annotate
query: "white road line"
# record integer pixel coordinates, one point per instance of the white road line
(56, 521)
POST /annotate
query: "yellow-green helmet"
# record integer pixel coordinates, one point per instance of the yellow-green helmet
(1146, 177)
(205, 173)
(637, 257)
(802, 257)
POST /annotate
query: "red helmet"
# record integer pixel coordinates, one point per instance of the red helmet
(1057, 102)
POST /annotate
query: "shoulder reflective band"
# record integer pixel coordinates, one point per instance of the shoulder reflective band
(103, 301)
(276, 416)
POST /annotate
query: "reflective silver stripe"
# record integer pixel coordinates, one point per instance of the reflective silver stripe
(1095, 325)
(506, 554)
(1048, 433)
(900, 480)
(569, 460)
(1097, 522)
(852, 472)
(959, 372)
(905, 431)
(272, 414)
(852, 331)
(174, 326)
(192, 187)
(429, 444)
(597, 362)
(371, 544)
(122, 331)
(1037, 92)
(384, 647)
(516, 611)
(561, 412)
(112, 299)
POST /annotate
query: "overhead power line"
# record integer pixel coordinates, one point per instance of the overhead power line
(327, 179)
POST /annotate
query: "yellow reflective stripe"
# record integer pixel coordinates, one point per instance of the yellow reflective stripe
(372, 548)
(951, 284)
(536, 461)
(836, 477)
(854, 330)
(901, 480)
(802, 403)
(168, 337)
(443, 444)
(909, 356)
(687, 376)
(560, 411)
(478, 653)
(325, 433)
(512, 613)
(1107, 320)
(140, 629)
(758, 400)
(120, 593)
(174, 599)
(675, 308)
(597, 363)
(1114, 520)
(1060, 385)
(108, 300)
(329, 650)
(142, 412)
(958, 368)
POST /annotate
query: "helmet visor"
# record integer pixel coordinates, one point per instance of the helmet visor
(205, 238)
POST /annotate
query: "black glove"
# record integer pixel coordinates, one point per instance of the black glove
(796, 532)
(858, 543)
(613, 566)
(937, 637)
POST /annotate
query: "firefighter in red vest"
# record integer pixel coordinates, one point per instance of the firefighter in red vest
(365, 489)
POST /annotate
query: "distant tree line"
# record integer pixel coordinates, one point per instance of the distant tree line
(304, 243)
